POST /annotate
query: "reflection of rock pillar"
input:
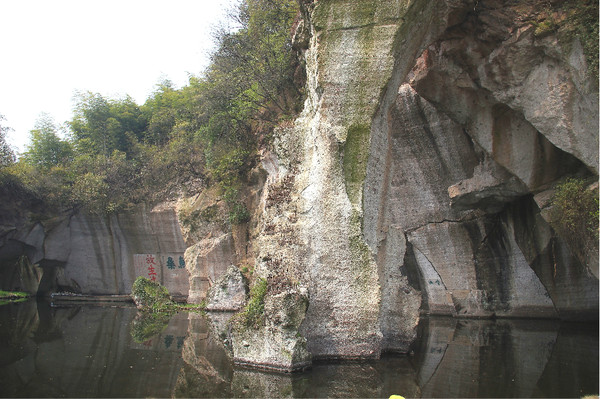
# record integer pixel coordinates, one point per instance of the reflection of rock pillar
(497, 359)
(435, 334)
(400, 301)
(252, 384)
(207, 369)
(439, 301)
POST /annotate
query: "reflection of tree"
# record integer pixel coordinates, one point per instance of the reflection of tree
(146, 325)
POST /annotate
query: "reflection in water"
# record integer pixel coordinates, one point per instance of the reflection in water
(90, 352)
(146, 325)
(84, 352)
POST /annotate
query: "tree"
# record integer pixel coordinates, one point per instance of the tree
(162, 111)
(101, 125)
(257, 58)
(47, 149)
(7, 155)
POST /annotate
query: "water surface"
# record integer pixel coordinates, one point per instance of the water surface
(93, 351)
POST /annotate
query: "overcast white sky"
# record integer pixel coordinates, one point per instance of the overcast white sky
(50, 49)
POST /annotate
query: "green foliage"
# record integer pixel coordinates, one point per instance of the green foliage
(119, 154)
(545, 27)
(253, 67)
(575, 209)
(13, 294)
(92, 190)
(252, 316)
(7, 155)
(46, 148)
(7, 297)
(150, 296)
(238, 213)
(163, 110)
(192, 307)
(572, 19)
(574, 216)
(209, 214)
(227, 171)
(50, 185)
(102, 125)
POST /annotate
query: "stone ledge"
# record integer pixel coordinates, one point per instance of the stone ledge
(279, 367)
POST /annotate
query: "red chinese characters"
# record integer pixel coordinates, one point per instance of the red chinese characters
(151, 262)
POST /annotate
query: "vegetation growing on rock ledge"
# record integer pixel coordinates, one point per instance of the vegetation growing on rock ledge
(252, 316)
(575, 214)
(572, 19)
(150, 296)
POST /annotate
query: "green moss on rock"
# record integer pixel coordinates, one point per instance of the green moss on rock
(356, 154)
(252, 316)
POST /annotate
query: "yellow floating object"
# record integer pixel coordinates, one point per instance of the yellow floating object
(396, 397)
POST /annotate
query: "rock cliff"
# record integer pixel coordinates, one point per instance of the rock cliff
(417, 177)
(96, 255)
(416, 180)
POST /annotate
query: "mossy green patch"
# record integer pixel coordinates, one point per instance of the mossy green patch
(336, 14)
(332, 14)
(356, 154)
(252, 316)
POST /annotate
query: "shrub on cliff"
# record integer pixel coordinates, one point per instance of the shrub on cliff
(7, 155)
(575, 208)
(575, 215)
(150, 296)
(252, 316)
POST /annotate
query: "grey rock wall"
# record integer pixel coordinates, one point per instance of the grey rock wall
(229, 292)
(430, 133)
(275, 344)
(208, 260)
(100, 255)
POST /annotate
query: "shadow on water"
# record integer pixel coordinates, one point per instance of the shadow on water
(87, 351)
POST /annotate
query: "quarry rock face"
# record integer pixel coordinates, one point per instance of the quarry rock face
(417, 180)
(275, 344)
(411, 181)
(229, 292)
(101, 255)
(208, 260)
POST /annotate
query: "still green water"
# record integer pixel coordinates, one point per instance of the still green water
(90, 351)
